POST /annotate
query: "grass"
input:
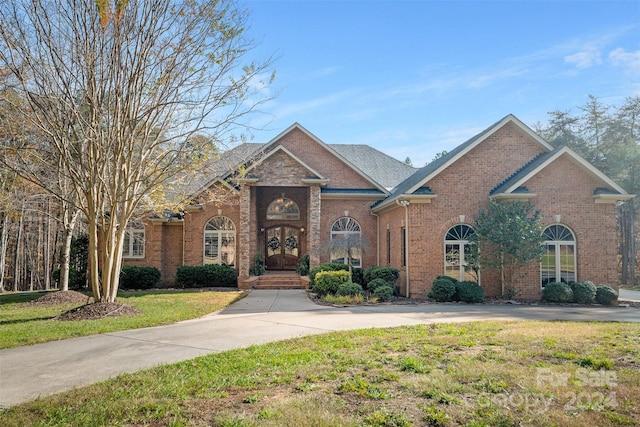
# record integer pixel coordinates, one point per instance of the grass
(473, 374)
(22, 324)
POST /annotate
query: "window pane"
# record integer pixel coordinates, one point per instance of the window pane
(228, 249)
(567, 263)
(548, 265)
(137, 246)
(211, 249)
(283, 208)
(291, 242)
(126, 246)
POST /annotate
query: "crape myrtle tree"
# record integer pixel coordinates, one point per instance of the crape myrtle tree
(117, 91)
(508, 236)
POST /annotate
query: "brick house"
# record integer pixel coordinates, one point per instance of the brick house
(291, 196)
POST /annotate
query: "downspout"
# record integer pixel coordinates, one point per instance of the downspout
(406, 203)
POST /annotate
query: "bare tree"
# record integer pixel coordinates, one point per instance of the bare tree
(116, 90)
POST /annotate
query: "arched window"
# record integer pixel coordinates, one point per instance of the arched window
(220, 241)
(559, 258)
(133, 245)
(283, 208)
(457, 253)
(346, 241)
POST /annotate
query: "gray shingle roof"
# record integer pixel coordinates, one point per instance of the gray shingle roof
(382, 168)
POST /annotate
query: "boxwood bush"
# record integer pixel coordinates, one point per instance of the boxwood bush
(605, 295)
(202, 276)
(376, 283)
(557, 292)
(349, 289)
(442, 290)
(327, 282)
(383, 293)
(132, 277)
(468, 291)
(584, 292)
(388, 274)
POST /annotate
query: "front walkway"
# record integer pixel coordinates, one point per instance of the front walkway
(263, 316)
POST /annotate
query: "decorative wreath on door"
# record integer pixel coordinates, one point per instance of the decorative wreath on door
(291, 243)
(273, 243)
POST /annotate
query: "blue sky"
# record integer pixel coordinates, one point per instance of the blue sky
(414, 78)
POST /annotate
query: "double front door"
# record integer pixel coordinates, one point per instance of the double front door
(282, 247)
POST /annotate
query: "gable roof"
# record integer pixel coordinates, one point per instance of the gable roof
(427, 173)
(514, 184)
(381, 170)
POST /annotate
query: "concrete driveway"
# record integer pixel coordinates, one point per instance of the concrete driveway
(263, 316)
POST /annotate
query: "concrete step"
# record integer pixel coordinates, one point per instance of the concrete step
(275, 281)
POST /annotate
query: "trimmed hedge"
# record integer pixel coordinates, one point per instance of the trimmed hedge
(357, 276)
(442, 290)
(388, 274)
(327, 282)
(326, 266)
(376, 283)
(557, 292)
(584, 292)
(210, 275)
(383, 293)
(132, 277)
(349, 289)
(468, 291)
(605, 295)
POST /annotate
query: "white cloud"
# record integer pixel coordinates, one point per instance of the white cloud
(588, 57)
(628, 60)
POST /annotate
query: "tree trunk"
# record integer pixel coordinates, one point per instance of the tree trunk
(4, 239)
(69, 227)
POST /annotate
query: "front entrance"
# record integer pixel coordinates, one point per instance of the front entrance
(282, 247)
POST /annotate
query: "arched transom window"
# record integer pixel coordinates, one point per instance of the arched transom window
(346, 241)
(457, 253)
(220, 241)
(283, 208)
(559, 258)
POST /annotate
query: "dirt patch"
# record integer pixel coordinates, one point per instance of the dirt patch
(61, 297)
(98, 310)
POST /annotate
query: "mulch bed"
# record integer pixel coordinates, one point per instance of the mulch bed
(61, 297)
(98, 310)
(87, 311)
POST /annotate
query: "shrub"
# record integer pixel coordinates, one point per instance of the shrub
(383, 293)
(584, 292)
(357, 276)
(210, 275)
(557, 292)
(376, 283)
(388, 274)
(326, 266)
(258, 268)
(605, 295)
(349, 289)
(452, 279)
(138, 277)
(442, 290)
(302, 267)
(469, 292)
(327, 282)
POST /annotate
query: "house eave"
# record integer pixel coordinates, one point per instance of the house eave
(390, 204)
(322, 182)
(612, 198)
(513, 196)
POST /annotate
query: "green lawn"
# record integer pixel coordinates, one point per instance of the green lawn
(23, 324)
(472, 374)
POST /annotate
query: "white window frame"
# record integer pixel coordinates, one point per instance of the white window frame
(557, 241)
(461, 242)
(340, 228)
(220, 230)
(133, 245)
